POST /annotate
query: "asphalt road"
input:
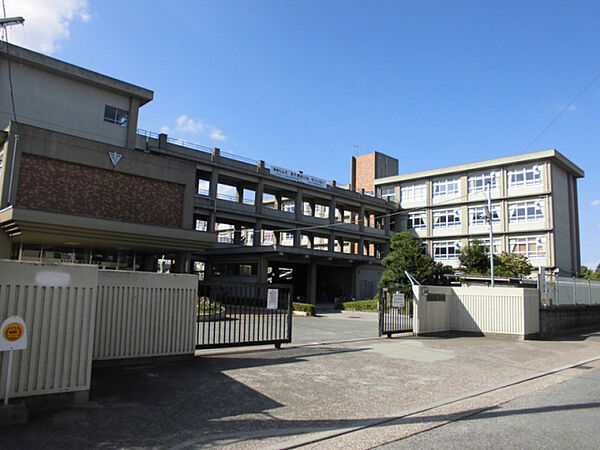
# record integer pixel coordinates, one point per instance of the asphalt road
(566, 415)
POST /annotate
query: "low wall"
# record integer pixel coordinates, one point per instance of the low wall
(562, 320)
(502, 310)
(57, 302)
(142, 314)
(76, 313)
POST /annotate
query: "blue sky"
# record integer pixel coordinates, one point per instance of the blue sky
(300, 83)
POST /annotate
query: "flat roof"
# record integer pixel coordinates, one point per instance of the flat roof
(25, 56)
(525, 157)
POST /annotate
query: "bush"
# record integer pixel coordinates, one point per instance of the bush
(306, 307)
(361, 305)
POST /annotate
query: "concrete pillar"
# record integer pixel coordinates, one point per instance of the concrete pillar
(331, 242)
(311, 283)
(162, 141)
(257, 238)
(332, 206)
(297, 238)
(237, 236)
(311, 241)
(182, 262)
(299, 206)
(361, 246)
(132, 121)
(311, 204)
(386, 222)
(239, 194)
(258, 200)
(276, 237)
(211, 226)
(278, 202)
(214, 184)
(262, 266)
(361, 218)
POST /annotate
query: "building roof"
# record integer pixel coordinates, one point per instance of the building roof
(558, 158)
(52, 65)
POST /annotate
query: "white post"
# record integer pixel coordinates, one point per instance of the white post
(8, 374)
(491, 216)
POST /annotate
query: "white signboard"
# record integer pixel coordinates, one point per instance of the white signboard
(298, 176)
(13, 334)
(272, 298)
(398, 300)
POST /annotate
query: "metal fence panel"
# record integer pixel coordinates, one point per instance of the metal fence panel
(572, 291)
(239, 314)
(394, 319)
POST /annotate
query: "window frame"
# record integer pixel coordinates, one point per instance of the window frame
(413, 190)
(446, 213)
(446, 183)
(387, 195)
(410, 221)
(116, 116)
(447, 245)
(482, 221)
(529, 242)
(538, 214)
(474, 180)
(518, 177)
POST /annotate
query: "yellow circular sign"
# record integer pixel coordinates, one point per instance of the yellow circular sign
(13, 331)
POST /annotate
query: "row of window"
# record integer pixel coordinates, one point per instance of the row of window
(518, 212)
(530, 246)
(450, 187)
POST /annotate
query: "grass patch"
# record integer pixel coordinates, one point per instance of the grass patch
(361, 305)
(306, 307)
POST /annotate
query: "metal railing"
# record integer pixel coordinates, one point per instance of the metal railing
(394, 316)
(561, 291)
(241, 314)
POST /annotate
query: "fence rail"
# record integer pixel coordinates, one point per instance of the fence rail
(561, 291)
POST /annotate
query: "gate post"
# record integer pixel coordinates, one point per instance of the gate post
(381, 311)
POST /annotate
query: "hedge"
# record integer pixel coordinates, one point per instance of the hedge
(361, 305)
(307, 307)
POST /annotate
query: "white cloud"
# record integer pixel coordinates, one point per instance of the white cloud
(184, 124)
(46, 22)
(571, 108)
(595, 203)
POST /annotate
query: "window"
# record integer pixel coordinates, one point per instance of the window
(201, 225)
(478, 183)
(486, 245)
(289, 207)
(413, 192)
(416, 221)
(268, 237)
(115, 115)
(448, 218)
(526, 212)
(477, 215)
(442, 188)
(532, 247)
(446, 250)
(288, 236)
(525, 176)
(388, 193)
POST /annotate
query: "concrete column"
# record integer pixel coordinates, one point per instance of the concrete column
(299, 206)
(258, 200)
(311, 283)
(277, 237)
(278, 201)
(297, 238)
(311, 241)
(237, 236)
(257, 238)
(162, 141)
(182, 262)
(386, 222)
(211, 226)
(332, 206)
(239, 194)
(331, 242)
(311, 204)
(132, 121)
(214, 184)
(361, 218)
(262, 266)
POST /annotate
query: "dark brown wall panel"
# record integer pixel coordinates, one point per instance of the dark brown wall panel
(60, 186)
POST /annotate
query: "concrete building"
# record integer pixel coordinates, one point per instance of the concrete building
(534, 207)
(79, 183)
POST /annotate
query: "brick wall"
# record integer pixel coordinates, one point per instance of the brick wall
(53, 185)
(365, 172)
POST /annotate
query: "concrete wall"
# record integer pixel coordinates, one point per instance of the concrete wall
(58, 304)
(144, 314)
(369, 274)
(562, 320)
(53, 101)
(476, 309)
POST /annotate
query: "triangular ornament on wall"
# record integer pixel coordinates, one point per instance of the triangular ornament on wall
(115, 157)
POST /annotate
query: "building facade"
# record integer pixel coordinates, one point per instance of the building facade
(80, 183)
(534, 208)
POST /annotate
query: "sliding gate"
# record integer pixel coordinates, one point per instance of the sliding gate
(238, 314)
(395, 313)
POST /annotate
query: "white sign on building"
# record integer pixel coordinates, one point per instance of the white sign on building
(272, 298)
(398, 300)
(298, 176)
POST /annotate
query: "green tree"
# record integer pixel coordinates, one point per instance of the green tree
(407, 253)
(590, 274)
(512, 265)
(474, 260)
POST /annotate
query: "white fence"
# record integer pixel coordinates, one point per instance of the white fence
(561, 291)
(75, 314)
(140, 314)
(504, 310)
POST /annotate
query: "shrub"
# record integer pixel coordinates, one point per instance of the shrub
(306, 307)
(361, 305)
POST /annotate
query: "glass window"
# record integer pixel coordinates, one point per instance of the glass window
(478, 183)
(448, 218)
(486, 245)
(532, 246)
(115, 115)
(477, 215)
(524, 176)
(532, 211)
(442, 188)
(388, 193)
(446, 250)
(413, 192)
(416, 221)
